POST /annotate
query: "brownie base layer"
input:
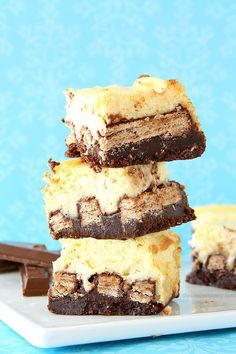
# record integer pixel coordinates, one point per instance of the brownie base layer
(114, 226)
(93, 303)
(109, 295)
(189, 145)
(220, 278)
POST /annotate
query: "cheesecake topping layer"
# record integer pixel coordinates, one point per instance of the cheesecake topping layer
(74, 180)
(98, 107)
(210, 239)
(154, 257)
(215, 214)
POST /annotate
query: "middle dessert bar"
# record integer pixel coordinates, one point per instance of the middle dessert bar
(116, 203)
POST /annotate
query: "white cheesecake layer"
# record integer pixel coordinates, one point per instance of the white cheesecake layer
(97, 107)
(210, 239)
(215, 214)
(74, 180)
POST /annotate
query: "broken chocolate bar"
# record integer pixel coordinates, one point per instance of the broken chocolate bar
(153, 120)
(115, 277)
(116, 203)
(26, 255)
(6, 266)
(35, 280)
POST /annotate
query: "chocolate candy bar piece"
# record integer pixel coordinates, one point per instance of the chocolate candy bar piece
(26, 255)
(115, 277)
(35, 280)
(153, 120)
(116, 203)
(6, 266)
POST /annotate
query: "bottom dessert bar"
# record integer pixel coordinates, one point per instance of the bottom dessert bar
(214, 257)
(110, 296)
(116, 277)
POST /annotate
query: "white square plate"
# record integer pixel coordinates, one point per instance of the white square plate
(198, 308)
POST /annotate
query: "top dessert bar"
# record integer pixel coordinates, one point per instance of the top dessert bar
(152, 120)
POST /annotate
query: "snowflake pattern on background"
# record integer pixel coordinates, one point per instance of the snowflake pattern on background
(49, 46)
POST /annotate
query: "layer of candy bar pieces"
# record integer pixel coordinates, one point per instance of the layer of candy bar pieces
(116, 277)
(116, 203)
(152, 120)
(214, 247)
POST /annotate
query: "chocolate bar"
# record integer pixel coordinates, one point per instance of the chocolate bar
(116, 203)
(26, 255)
(6, 266)
(114, 277)
(153, 120)
(35, 280)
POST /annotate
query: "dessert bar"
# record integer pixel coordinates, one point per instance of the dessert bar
(114, 203)
(116, 277)
(214, 256)
(152, 120)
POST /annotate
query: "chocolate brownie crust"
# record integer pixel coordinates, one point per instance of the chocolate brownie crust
(113, 227)
(96, 304)
(165, 147)
(109, 296)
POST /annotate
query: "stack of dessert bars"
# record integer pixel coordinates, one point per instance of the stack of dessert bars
(112, 205)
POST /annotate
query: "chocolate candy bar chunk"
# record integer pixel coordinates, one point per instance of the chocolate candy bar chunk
(153, 120)
(6, 266)
(35, 280)
(115, 277)
(116, 203)
(214, 247)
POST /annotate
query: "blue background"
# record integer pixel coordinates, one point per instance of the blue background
(47, 46)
